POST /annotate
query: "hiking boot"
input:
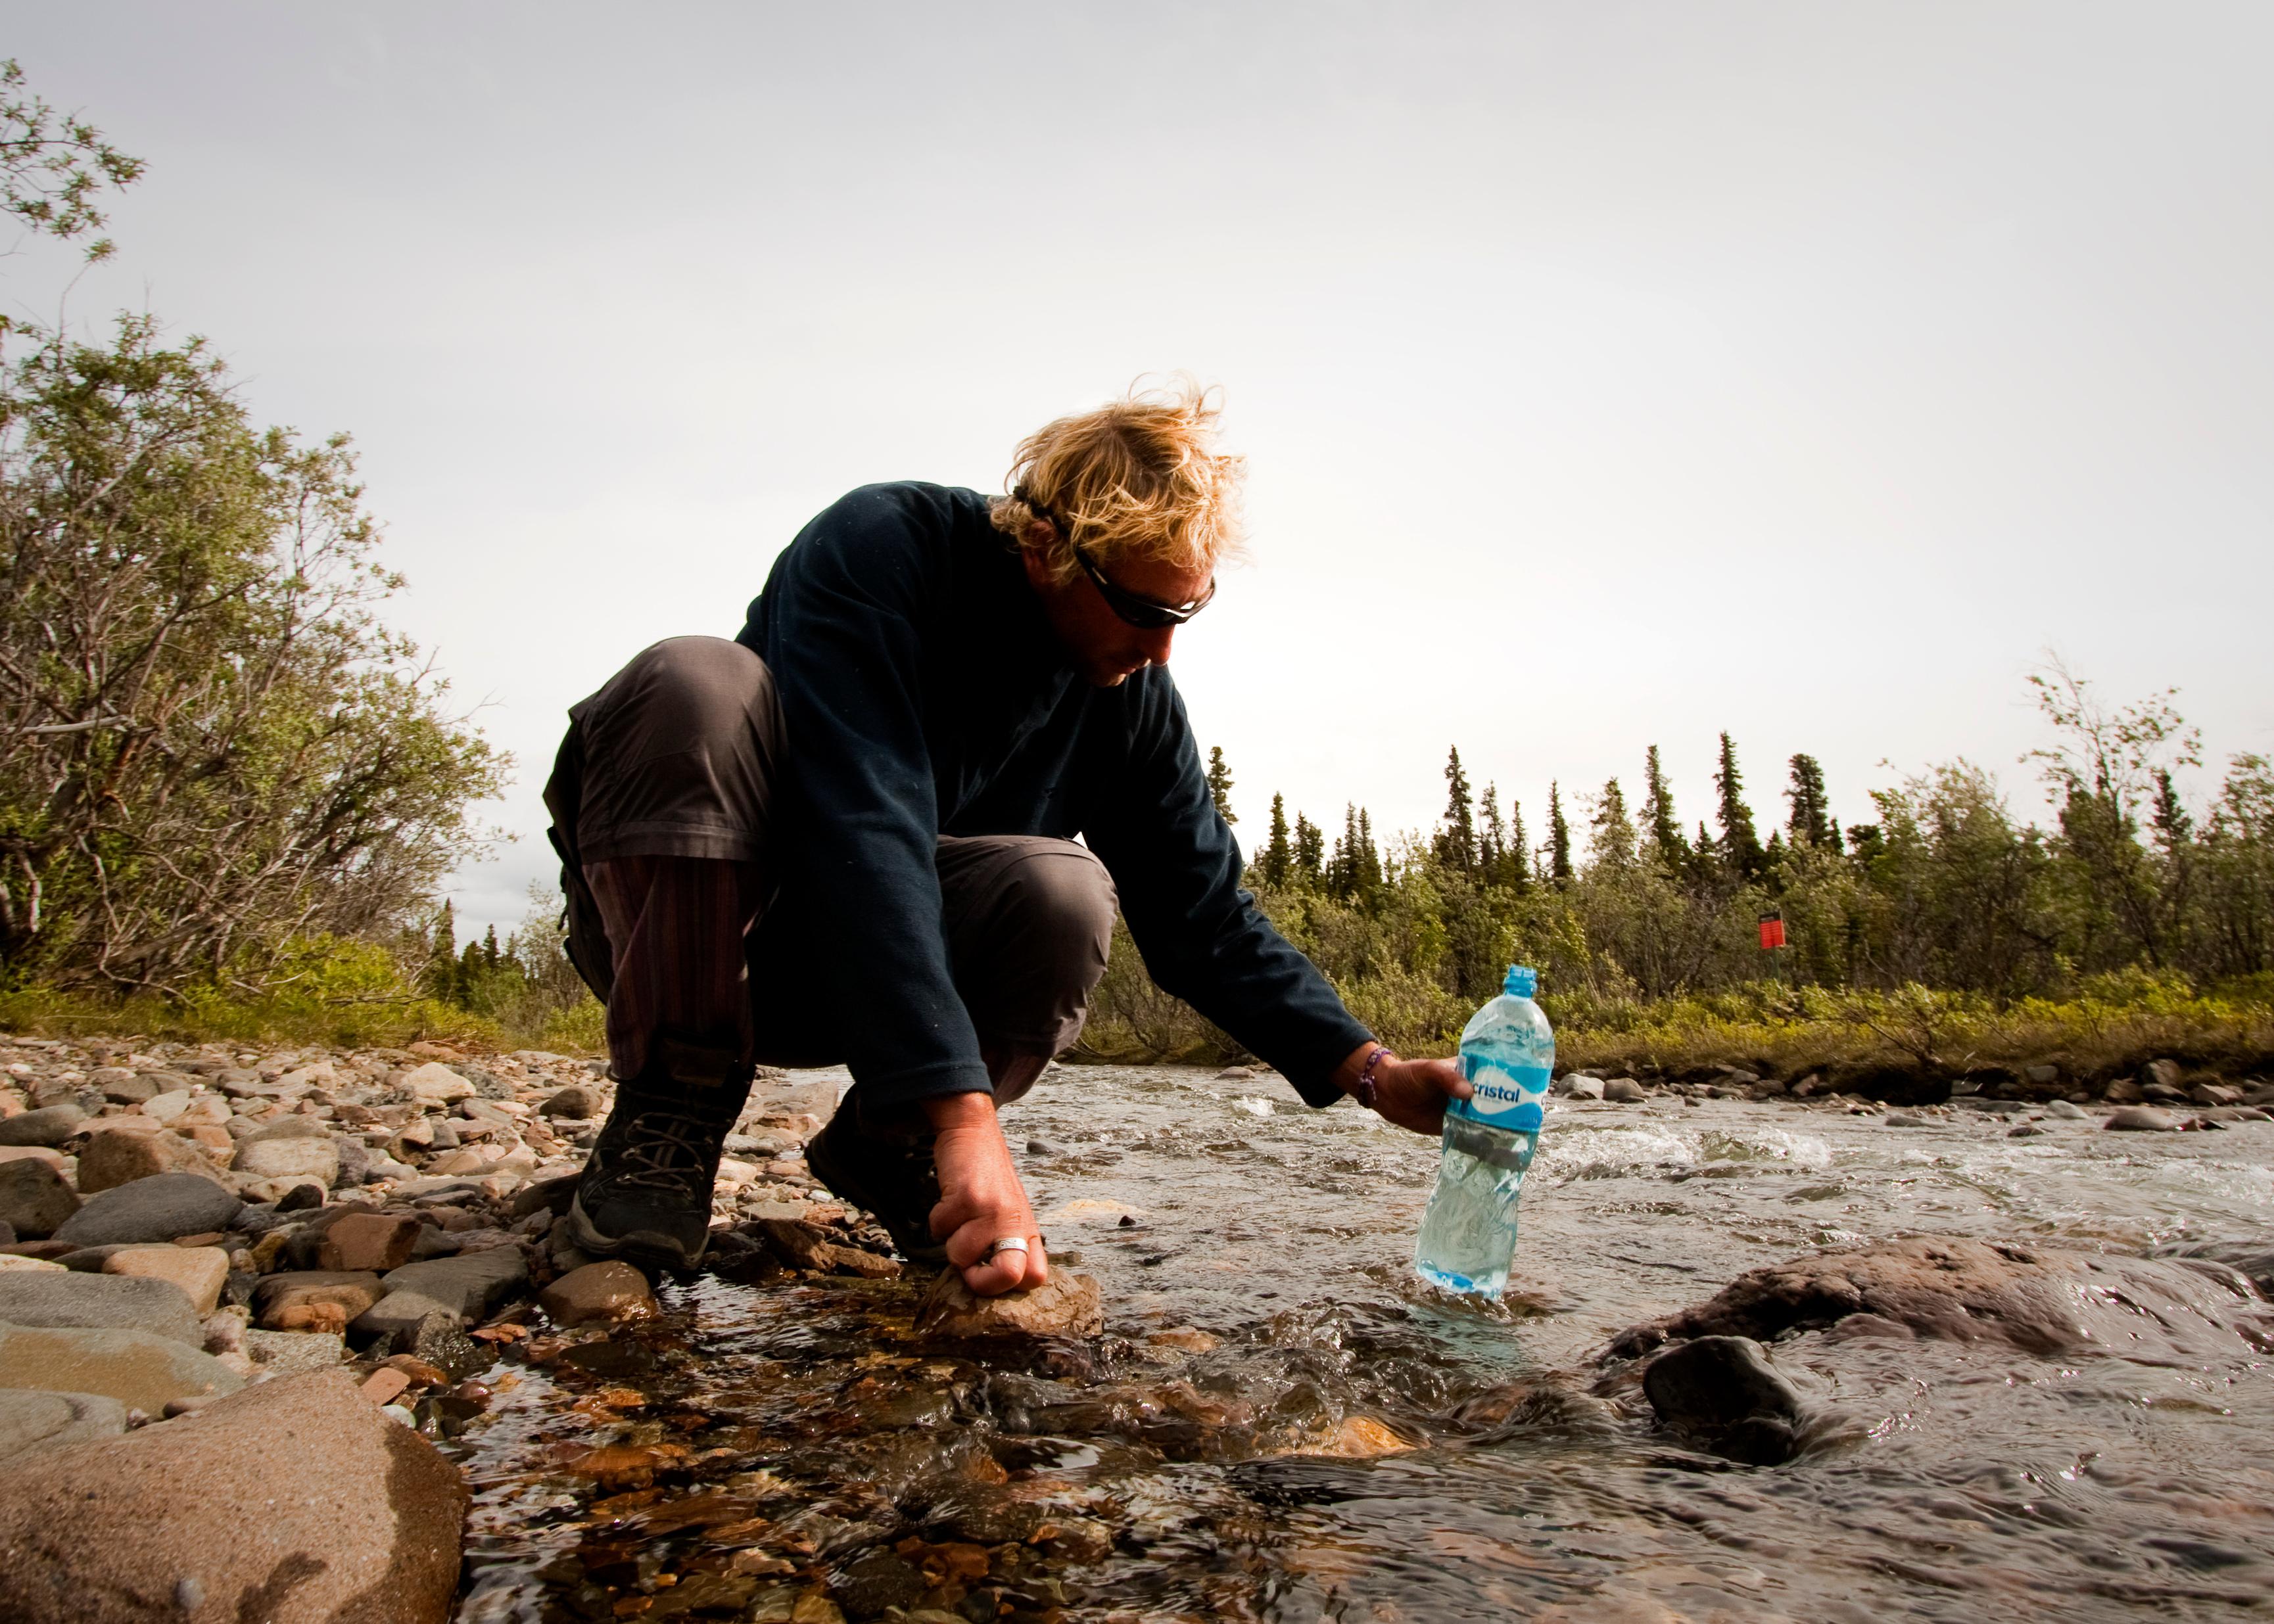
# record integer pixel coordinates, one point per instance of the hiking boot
(895, 1180)
(645, 1193)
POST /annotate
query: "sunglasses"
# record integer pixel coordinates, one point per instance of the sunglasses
(1143, 613)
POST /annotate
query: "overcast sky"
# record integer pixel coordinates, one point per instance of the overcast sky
(1610, 374)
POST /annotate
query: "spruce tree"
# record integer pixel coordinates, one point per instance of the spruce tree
(1660, 831)
(1519, 853)
(1369, 859)
(1810, 824)
(1278, 853)
(1310, 854)
(1559, 837)
(1741, 845)
(1611, 833)
(1491, 837)
(1456, 841)
(1219, 782)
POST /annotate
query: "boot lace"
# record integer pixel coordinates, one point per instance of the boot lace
(663, 1150)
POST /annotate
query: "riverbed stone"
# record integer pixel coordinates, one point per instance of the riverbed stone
(49, 1126)
(29, 1419)
(2063, 1112)
(290, 1353)
(1579, 1086)
(435, 1084)
(2142, 1119)
(116, 1154)
(122, 1086)
(1725, 1393)
(199, 1271)
(157, 1208)
(314, 1300)
(140, 1371)
(2043, 1300)
(294, 1502)
(374, 1241)
(465, 1286)
(1623, 1090)
(56, 1299)
(35, 1199)
(291, 1159)
(602, 1291)
(1067, 1304)
(577, 1099)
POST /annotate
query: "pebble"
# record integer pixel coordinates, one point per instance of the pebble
(157, 1208)
(1067, 1304)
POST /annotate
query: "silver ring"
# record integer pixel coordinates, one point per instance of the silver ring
(1009, 1243)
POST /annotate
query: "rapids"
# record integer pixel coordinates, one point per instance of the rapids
(1283, 1423)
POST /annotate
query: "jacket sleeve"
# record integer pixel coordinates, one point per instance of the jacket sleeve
(846, 652)
(1202, 937)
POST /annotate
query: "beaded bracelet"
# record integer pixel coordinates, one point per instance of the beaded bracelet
(1363, 1089)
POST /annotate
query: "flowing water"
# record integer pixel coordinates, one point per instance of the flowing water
(1283, 1423)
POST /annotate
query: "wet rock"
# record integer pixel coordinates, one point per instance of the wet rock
(2123, 1091)
(598, 1292)
(198, 1272)
(50, 1299)
(1724, 1393)
(116, 1156)
(2042, 1300)
(465, 1287)
(35, 1199)
(314, 1300)
(293, 1502)
(2027, 1130)
(153, 1209)
(30, 1419)
(581, 1100)
(140, 1371)
(375, 1242)
(1579, 1086)
(878, 1581)
(1623, 1090)
(2158, 1074)
(1904, 1119)
(50, 1126)
(1067, 1304)
(2063, 1112)
(2142, 1119)
(2215, 1093)
(435, 1084)
(815, 1246)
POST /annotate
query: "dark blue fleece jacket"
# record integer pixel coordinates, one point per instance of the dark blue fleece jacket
(925, 694)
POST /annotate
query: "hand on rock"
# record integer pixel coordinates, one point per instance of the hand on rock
(981, 1199)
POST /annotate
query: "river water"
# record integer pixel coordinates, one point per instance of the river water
(1281, 1423)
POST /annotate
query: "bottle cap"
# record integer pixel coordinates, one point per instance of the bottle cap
(1523, 981)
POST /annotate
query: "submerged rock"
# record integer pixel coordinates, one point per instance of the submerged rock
(1066, 1304)
(293, 1502)
(1725, 1394)
(2039, 1299)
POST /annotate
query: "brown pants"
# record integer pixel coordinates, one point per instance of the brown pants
(664, 801)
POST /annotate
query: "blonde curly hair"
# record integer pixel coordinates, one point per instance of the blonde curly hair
(1138, 480)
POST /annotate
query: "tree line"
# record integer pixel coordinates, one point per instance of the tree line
(1624, 903)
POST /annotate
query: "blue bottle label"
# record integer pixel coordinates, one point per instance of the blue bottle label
(1507, 1096)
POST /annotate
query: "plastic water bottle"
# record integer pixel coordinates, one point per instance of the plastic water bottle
(1508, 1054)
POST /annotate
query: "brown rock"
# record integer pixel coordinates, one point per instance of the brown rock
(199, 1271)
(1066, 1304)
(140, 1369)
(815, 1247)
(350, 1292)
(2142, 1119)
(595, 1292)
(375, 1242)
(34, 1200)
(293, 1502)
(115, 1156)
(2123, 1091)
(577, 1099)
(2039, 1299)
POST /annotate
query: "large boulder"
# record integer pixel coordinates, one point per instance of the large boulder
(294, 1502)
(99, 1303)
(35, 1201)
(140, 1371)
(2042, 1300)
(153, 1209)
